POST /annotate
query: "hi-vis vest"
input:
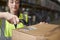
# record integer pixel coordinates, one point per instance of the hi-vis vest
(9, 27)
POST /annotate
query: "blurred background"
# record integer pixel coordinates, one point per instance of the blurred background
(38, 10)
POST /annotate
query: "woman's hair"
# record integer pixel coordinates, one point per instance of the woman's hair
(19, 2)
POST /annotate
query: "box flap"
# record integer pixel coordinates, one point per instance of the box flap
(38, 29)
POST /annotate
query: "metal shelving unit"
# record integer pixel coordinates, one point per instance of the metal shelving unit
(37, 6)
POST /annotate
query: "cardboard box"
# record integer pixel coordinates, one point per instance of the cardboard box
(37, 32)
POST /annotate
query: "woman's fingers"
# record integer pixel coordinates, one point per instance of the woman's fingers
(12, 18)
(15, 20)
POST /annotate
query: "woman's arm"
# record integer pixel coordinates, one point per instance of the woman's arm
(10, 17)
(2, 14)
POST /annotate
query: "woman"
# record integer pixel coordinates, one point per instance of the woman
(13, 6)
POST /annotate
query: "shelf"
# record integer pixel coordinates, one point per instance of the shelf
(36, 6)
(56, 1)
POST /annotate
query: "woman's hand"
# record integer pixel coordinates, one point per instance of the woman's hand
(43, 23)
(11, 18)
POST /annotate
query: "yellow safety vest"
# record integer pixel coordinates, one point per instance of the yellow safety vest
(9, 27)
(22, 17)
